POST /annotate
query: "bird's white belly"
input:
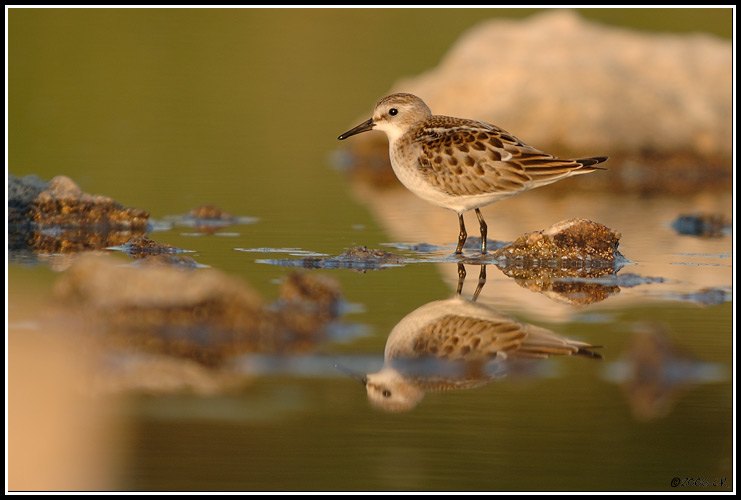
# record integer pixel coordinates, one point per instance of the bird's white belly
(405, 168)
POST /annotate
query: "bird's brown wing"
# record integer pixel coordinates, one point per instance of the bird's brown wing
(466, 157)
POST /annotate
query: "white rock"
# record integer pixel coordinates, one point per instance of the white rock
(556, 80)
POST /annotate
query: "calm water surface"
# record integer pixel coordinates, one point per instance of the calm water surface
(165, 110)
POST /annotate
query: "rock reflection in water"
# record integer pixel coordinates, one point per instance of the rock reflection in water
(653, 372)
(458, 343)
(165, 328)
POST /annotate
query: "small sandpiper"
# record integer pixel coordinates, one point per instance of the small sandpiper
(458, 344)
(462, 164)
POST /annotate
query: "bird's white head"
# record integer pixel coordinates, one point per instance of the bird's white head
(394, 115)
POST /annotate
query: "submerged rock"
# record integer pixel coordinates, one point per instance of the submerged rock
(705, 225)
(208, 219)
(210, 212)
(203, 316)
(358, 258)
(138, 248)
(586, 89)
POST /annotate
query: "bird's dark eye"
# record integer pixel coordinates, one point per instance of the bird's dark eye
(386, 393)
(393, 111)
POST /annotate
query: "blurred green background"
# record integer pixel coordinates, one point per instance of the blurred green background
(166, 109)
(163, 108)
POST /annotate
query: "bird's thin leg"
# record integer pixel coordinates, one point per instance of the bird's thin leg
(462, 235)
(482, 281)
(482, 224)
(461, 278)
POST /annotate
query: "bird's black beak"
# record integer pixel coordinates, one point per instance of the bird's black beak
(363, 127)
(355, 376)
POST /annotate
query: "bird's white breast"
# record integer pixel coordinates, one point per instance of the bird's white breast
(404, 158)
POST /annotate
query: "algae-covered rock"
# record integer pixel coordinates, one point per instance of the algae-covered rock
(57, 217)
(566, 261)
(574, 243)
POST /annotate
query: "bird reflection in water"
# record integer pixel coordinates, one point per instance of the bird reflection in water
(458, 344)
